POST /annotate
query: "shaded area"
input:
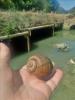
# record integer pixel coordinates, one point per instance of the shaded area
(19, 44)
(40, 34)
(58, 27)
(72, 27)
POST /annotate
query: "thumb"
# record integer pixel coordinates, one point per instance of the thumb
(5, 54)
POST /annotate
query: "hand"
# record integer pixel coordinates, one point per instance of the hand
(21, 85)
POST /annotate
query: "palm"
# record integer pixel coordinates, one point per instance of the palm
(33, 87)
(21, 85)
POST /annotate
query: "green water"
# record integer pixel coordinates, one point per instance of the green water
(66, 90)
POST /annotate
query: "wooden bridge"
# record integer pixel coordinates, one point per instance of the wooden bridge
(28, 33)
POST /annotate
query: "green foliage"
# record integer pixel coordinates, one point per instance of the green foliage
(26, 4)
(6, 4)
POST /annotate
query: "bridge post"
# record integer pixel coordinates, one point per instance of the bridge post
(28, 42)
(53, 28)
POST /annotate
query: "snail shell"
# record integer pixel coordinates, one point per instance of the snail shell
(39, 65)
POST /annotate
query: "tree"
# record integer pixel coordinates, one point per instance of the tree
(41, 5)
(55, 5)
(6, 4)
(44, 5)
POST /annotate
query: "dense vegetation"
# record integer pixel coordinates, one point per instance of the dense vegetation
(45, 5)
(10, 23)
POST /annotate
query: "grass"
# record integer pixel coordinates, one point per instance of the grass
(69, 21)
(13, 22)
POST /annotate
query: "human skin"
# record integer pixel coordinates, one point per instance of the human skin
(21, 85)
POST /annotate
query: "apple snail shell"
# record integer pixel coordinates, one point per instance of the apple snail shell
(39, 66)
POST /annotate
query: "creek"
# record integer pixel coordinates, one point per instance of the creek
(66, 89)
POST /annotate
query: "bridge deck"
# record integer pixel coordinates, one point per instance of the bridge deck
(28, 33)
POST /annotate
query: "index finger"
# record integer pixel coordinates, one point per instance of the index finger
(54, 81)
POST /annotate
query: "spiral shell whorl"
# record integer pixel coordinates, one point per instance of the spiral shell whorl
(31, 65)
